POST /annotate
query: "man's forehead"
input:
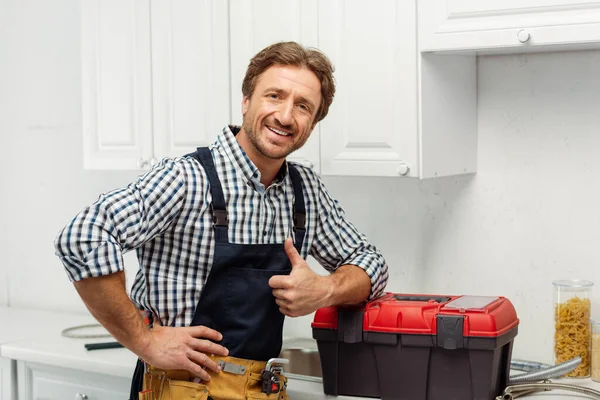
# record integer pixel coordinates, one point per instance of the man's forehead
(297, 75)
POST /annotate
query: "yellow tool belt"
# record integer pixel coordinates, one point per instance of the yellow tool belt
(240, 379)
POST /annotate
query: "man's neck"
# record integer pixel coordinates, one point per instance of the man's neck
(268, 167)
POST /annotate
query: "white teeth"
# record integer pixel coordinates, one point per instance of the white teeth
(279, 132)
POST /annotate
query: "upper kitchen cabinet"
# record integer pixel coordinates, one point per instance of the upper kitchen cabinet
(155, 79)
(161, 77)
(190, 74)
(394, 113)
(254, 25)
(508, 25)
(116, 83)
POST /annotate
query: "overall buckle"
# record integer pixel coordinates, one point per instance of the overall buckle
(271, 376)
(219, 217)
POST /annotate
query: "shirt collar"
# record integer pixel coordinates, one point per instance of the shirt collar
(240, 160)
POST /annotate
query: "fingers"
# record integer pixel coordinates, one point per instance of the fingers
(208, 347)
(201, 331)
(285, 307)
(200, 348)
(283, 302)
(292, 253)
(289, 312)
(195, 367)
(204, 361)
(279, 282)
(199, 352)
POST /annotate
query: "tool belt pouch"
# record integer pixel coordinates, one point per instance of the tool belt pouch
(173, 385)
(259, 388)
(178, 385)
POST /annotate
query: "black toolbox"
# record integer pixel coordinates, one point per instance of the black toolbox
(417, 347)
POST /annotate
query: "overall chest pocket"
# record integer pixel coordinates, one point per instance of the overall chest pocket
(248, 291)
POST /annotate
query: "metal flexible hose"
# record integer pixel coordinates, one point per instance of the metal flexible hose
(527, 366)
(514, 391)
(554, 371)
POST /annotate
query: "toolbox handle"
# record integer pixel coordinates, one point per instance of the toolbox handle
(437, 299)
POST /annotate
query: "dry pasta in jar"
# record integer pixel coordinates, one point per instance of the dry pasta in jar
(595, 352)
(572, 334)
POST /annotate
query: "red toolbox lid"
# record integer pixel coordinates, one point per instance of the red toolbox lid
(484, 316)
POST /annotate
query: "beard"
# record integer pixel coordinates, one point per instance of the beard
(258, 142)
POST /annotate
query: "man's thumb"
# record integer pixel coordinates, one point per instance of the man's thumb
(291, 252)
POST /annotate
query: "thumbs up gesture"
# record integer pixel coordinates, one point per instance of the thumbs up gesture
(302, 291)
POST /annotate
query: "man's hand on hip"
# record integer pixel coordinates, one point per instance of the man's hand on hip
(302, 291)
(186, 348)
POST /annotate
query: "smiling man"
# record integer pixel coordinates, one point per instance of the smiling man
(279, 115)
(221, 236)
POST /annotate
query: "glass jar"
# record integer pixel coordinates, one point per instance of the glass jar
(595, 358)
(572, 329)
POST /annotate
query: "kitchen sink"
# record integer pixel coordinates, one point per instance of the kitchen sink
(303, 356)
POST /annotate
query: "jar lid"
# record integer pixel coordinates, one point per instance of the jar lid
(581, 283)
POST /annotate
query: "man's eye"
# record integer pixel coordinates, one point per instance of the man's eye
(274, 96)
(304, 107)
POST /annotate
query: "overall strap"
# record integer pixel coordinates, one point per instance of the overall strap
(218, 206)
(299, 209)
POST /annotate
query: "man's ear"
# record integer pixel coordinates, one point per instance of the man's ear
(245, 104)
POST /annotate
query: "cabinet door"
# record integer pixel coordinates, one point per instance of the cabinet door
(43, 382)
(371, 128)
(8, 379)
(255, 24)
(507, 24)
(190, 70)
(116, 83)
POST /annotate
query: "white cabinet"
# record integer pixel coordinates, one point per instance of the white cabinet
(8, 379)
(155, 79)
(44, 382)
(190, 74)
(378, 124)
(255, 24)
(508, 25)
(371, 128)
(161, 77)
(116, 83)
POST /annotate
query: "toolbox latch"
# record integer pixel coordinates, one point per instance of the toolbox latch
(450, 332)
(350, 325)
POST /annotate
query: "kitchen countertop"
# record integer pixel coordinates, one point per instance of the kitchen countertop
(35, 336)
(19, 324)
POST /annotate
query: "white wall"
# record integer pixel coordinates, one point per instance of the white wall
(529, 215)
(43, 182)
(4, 141)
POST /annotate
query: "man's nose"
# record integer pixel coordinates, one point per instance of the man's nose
(284, 114)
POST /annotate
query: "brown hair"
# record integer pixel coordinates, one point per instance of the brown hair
(292, 53)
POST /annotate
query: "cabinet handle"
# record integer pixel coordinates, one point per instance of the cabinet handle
(403, 169)
(523, 36)
(81, 396)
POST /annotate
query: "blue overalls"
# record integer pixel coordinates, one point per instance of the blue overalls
(236, 299)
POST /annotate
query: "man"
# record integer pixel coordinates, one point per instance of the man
(209, 231)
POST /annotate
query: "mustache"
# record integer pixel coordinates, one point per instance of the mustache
(277, 125)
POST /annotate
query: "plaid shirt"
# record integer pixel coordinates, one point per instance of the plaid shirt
(165, 216)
